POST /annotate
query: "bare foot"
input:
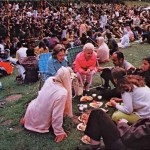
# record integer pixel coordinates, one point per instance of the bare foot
(22, 121)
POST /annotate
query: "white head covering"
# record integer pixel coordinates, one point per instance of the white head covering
(63, 76)
(100, 40)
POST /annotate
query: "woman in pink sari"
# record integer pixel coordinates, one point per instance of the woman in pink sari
(53, 102)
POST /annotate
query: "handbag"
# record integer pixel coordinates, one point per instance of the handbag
(137, 135)
(77, 87)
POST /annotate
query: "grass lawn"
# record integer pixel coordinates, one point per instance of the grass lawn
(138, 3)
(15, 137)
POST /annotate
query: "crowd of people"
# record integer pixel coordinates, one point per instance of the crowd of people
(102, 30)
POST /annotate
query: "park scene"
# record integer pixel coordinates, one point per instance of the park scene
(75, 75)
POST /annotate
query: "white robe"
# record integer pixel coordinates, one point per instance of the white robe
(51, 104)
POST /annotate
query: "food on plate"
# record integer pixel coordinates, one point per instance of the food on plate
(85, 139)
(96, 104)
(83, 117)
(81, 127)
(108, 104)
(86, 98)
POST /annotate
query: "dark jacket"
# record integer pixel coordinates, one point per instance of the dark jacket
(136, 136)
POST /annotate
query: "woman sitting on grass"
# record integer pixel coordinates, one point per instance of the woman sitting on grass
(51, 105)
(145, 70)
(135, 96)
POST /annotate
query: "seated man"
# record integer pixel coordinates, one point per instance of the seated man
(146, 35)
(112, 44)
(125, 41)
(30, 63)
(5, 55)
(85, 65)
(118, 60)
(102, 51)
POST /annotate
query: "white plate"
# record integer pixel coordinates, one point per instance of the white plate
(81, 127)
(96, 104)
(86, 98)
(105, 110)
(79, 118)
(85, 139)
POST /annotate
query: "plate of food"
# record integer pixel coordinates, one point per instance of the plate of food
(83, 117)
(85, 139)
(81, 127)
(86, 98)
(96, 104)
(108, 104)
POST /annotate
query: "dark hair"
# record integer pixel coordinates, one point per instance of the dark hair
(127, 83)
(119, 54)
(30, 52)
(19, 44)
(108, 35)
(58, 48)
(42, 45)
(147, 59)
(118, 72)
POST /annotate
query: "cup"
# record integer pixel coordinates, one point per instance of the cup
(94, 95)
(85, 106)
(81, 108)
(99, 97)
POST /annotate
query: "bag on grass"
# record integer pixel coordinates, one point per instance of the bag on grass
(77, 87)
(137, 136)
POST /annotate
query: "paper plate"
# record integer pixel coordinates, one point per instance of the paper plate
(86, 98)
(85, 139)
(81, 127)
(105, 110)
(96, 104)
(80, 119)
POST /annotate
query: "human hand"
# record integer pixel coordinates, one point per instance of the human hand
(113, 102)
(116, 99)
(87, 71)
(122, 120)
(60, 137)
(99, 69)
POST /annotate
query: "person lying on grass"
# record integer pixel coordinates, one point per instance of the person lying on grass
(53, 102)
(102, 133)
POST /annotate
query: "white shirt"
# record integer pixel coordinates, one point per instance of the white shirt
(125, 41)
(137, 101)
(2, 47)
(21, 53)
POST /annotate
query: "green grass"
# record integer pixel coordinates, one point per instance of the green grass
(136, 3)
(21, 139)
